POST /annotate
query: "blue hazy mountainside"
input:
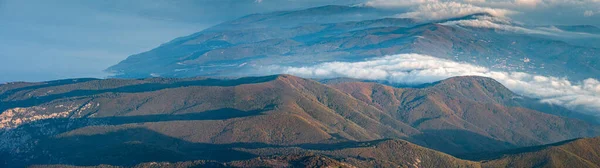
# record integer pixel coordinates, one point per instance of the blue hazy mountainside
(557, 64)
(247, 45)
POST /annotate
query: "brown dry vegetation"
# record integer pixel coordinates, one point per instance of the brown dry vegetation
(576, 153)
(175, 120)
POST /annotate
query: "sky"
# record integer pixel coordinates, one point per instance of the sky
(55, 39)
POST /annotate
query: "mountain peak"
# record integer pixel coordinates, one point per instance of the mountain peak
(474, 87)
(469, 79)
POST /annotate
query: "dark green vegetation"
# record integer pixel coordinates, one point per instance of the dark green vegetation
(274, 121)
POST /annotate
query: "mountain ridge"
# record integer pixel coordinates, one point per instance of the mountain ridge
(581, 152)
(399, 153)
(246, 49)
(271, 111)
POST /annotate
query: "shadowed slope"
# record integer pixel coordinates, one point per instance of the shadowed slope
(397, 153)
(479, 106)
(574, 153)
(381, 153)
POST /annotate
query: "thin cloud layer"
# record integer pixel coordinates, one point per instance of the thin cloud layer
(418, 69)
(505, 24)
(589, 13)
(499, 24)
(487, 3)
(446, 10)
(558, 12)
(396, 3)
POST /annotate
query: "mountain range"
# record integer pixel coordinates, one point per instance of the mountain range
(251, 44)
(273, 120)
(330, 86)
(572, 153)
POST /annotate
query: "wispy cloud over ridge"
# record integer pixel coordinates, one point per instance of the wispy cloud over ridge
(446, 10)
(558, 12)
(499, 24)
(487, 3)
(418, 69)
(506, 24)
(397, 3)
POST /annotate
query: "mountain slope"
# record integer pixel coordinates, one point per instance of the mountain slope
(251, 44)
(381, 153)
(477, 105)
(181, 118)
(574, 153)
(398, 153)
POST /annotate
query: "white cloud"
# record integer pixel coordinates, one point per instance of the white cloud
(528, 3)
(486, 3)
(440, 9)
(588, 13)
(505, 24)
(397, 3)
(418, 69)
(499, 24)
(445, 10)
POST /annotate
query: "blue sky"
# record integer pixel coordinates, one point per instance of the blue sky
(52, 39)
(44, 40)
(55, 39)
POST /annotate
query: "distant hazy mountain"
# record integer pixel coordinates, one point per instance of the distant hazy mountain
(246, 46)
(130, 122)
(580, 28)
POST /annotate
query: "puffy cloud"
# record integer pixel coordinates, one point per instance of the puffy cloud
(419, 69)
(445, 10)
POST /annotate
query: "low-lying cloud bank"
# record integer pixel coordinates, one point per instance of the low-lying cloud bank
(583, 96)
